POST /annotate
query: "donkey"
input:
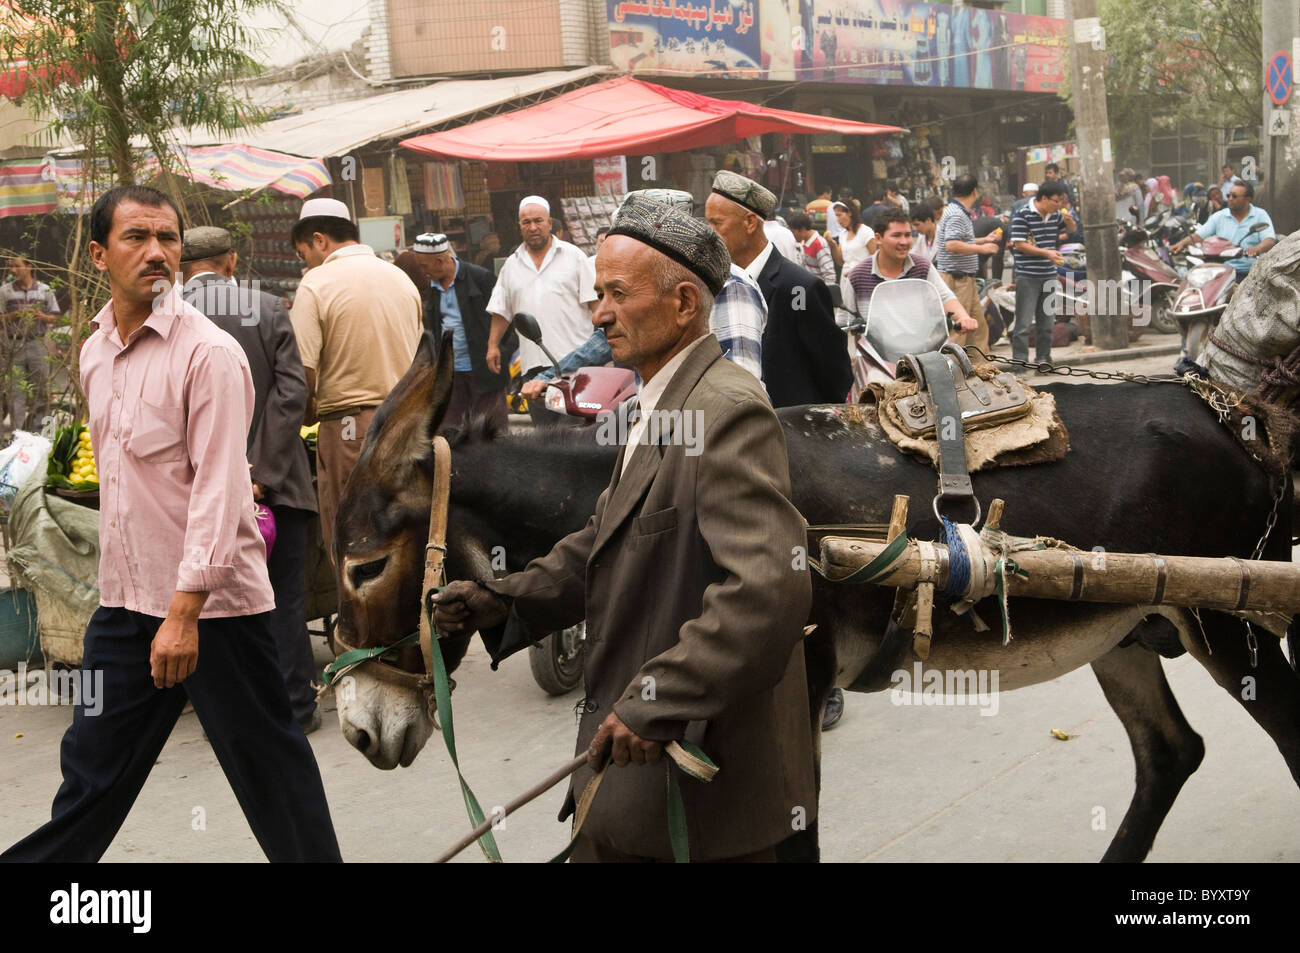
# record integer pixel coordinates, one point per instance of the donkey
(1150, 470)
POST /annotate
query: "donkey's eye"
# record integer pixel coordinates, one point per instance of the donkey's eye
(367, 571)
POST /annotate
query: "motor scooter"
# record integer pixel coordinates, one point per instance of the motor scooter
(582, 395)
(1156, 278)
(903, 316)
(1077, 296)
(1205, 290)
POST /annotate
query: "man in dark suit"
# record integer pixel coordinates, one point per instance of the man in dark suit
(280, 469)
(457, 302)
(694, 609)
(805, 355)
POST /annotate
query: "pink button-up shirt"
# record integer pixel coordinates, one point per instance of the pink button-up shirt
(169, 417)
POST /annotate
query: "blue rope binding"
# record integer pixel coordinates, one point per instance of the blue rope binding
(958, 561)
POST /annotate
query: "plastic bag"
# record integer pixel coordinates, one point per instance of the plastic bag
(18, 461)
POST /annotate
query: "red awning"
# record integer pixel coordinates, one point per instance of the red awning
(624, 116)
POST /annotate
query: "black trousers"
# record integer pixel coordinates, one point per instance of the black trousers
(286, 566)
(239, 696)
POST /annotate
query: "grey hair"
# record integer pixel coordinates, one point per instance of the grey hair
(668, 274)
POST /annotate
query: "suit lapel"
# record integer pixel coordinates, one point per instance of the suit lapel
(628, 489)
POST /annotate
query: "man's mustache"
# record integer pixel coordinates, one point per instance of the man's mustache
(157, 271)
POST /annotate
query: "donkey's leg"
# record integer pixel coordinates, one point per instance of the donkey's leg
(1165, 748)
(1270, 691)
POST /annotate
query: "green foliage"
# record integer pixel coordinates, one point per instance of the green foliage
(117, 80)
(1180, 60)
(113, 70)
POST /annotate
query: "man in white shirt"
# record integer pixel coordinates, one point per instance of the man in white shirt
(548, 278)
(783, 238)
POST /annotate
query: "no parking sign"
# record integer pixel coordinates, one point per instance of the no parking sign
(1278, 78)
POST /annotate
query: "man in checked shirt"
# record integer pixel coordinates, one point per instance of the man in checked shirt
(184, 593)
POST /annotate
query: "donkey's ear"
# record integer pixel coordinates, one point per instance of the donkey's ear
(402, 431)
(446, 367)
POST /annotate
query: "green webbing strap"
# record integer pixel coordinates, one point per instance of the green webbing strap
(354, 657)
(442, 694)
(878, 568)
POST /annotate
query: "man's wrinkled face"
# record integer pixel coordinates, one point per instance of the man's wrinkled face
(638, 320)
(897, 240)
(144, 247)
(535, 226)
(440, 267)
(728, 219)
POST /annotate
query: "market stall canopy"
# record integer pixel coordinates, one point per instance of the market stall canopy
(342, 127)
(624, 116)
(239, 167)
(26, 188)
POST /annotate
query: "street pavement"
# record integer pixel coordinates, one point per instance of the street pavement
(900, 782)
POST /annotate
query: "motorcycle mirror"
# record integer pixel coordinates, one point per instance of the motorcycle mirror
(527, 325)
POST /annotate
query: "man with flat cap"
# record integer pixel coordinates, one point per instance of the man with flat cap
(281, 473)
(684, 575)
(805, 355)
(458, 298)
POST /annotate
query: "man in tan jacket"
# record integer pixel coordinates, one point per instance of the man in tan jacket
(685, 574)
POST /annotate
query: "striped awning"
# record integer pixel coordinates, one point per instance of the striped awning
(240, 167)
(26, 188)
(235, 168)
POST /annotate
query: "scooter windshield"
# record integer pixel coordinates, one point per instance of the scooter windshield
(905, 316)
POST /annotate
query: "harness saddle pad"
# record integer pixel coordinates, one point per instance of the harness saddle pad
(1014, 425)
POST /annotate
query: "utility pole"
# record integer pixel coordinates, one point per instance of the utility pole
(1096, 194)
(1281, 153)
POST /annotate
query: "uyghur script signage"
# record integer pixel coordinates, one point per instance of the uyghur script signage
(714, 37)
(884, 42)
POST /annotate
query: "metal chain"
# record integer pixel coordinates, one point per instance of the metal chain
(1220, 402)
(1272, 520)
(1064, 370)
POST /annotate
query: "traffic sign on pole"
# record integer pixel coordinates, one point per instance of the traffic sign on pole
(1278, 78)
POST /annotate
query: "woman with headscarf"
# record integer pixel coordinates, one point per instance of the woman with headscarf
(1148, 191)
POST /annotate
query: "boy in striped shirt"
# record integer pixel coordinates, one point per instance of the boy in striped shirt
(1034, 231)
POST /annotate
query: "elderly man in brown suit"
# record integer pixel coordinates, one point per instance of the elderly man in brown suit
(685, 575)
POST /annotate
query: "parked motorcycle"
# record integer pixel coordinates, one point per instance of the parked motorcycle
(582, 395)
(1077, 295)
(904, 316)
(1156, 275)
(1205, 290)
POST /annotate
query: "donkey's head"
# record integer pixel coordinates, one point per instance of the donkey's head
(379, 540)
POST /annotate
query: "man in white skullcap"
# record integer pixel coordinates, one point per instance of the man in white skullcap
(550, 279)
(357, 319)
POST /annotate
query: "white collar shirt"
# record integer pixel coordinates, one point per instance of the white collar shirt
(755, 267)
(652, 391)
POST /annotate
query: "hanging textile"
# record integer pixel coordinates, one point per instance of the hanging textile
(399, 189)
(442, 187)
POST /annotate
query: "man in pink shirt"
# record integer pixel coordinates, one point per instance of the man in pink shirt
(183, 586)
